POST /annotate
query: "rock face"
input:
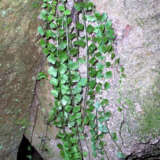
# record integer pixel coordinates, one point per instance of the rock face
(19, 62)
(137, 26)
(25, 103)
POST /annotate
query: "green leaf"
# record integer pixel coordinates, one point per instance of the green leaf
(117, 61)
(63, 57)
(108, 74)
(50, 18)
(92, 84)
(110, 34)
(29, 157)
(78, 6)
(91, 117)
(64, 89)
(82, 82)
(98, 87)
(86, 120)
(121, 69)
(64, 78)
(78, 115)
(108, 64)
(89, 6)
(80, 43)
(121, 155)
(100, 74)
(109, 48)
(98, 16)
(54, 81)
(72, 36)
(60, 146)
(69, 20)
(90, 18)
(80, 26)
(65, 100)
(72, 117)
(85, 154)
(43, 15)
(77, 89)
(74, 51)
(61, 32)
(63, 68)
(94, 153)
(92, 72)
(68, 108)
(120, 109)
(107, 115)
(62, 45)
(53, 25)
(102, 128)
(51, 59)
(67, 12)
(75, 77)
(90, 29)
(81, 61)
(42, 43)
(51, 47)
(92, 47)
(52, 71)
(113, 56)
(102, 27)
(100, 66)
(71, 124)
(114, 136)
(61, 8)
(97, 105)
(77, 99)
(106, 85)
(45, 51)
(54, 93)
(40, 31)
(93, 61)
(76, 109)
(41, 75)
(108, 24)
(99, 56)
(60, 135)
(79, 122)
(102, 48)
(50, 34)
(73, 65)
(104, 102)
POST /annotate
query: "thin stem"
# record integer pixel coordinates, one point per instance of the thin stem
(116, 144)
(87, 58)
(68, 52)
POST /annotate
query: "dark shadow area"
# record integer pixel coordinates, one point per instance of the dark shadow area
(27, 152)
(146, 152)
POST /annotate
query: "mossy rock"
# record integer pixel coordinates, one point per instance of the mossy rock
(19, 60)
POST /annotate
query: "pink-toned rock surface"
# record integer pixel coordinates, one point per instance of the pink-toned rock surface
(137, 27)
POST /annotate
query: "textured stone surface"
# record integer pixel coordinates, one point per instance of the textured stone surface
(41, 135)
(19, 61)
(137, 26)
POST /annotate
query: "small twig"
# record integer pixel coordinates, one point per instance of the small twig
(87, 59)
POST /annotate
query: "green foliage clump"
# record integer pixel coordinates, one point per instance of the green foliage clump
(78, 100)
